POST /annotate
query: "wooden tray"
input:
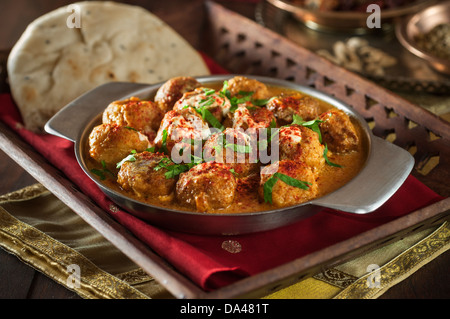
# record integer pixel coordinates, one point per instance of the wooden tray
(242, 46)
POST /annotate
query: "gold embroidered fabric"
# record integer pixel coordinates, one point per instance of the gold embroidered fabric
(370, 275)
(47, 235)
(44, 233)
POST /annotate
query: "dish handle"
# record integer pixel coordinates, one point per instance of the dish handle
(387, 168)
(72, 119)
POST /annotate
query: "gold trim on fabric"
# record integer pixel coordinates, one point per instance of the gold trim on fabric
(26, 193)
(54, 258)
(134, 277)
(336, 278)
(400, 267)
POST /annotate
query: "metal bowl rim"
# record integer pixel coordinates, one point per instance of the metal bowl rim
(409, 44)
(385, 13)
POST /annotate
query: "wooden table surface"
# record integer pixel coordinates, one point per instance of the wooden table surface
(20, 281)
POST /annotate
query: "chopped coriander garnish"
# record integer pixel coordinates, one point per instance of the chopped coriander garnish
(162, 163)
(260, 102)
(271, 132)
(233, 108)
(208, 117)
(207, 102)
(208, 91)
(235, 101)
(99, 173)
(268, 186)
(240, 148)
(131, 128)
(164, 143)
(270, 183)
(313, 124)
(325, 152)
(263, 144)
(246, 96)
(174, 169)
(102, 172)
(129, 158)
(225, 90)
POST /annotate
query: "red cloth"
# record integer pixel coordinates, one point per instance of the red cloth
(201, 258)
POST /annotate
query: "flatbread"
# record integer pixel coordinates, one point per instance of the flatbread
(52, 64)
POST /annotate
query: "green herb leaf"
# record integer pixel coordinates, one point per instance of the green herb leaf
(163, 163)
(129, 158)
(196, 159)
(164, 143)
(176, 170)
(273, 124)
(208, 117)
(224, 91)
(270, 183)
(173, 169)
(260, 102)
(292, 181)
(271, 132)
(246, 96)
(239, 148)
(234, 100)
(102, 172)
(99, 173)
(263, 144)
(233, 108)
(268, 186)
(325, 152)
(207, 102)
(208, 91)
(235, 147)
(313, 124)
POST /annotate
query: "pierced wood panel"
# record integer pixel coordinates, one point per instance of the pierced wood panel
(244, 47)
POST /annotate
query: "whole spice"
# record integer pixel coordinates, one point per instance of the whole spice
(436, 42)
(357, 55)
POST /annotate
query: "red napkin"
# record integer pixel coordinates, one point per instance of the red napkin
(202, 258)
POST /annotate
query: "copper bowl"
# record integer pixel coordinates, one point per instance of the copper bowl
(421, 23)
(347, 21)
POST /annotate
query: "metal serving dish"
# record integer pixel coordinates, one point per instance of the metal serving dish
(386, 168)
(421, 23)
(346, 21)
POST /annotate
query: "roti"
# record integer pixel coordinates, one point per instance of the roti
(75, 48)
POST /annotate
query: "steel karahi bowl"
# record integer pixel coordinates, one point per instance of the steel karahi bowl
(386, 168)
(345, 21)
(422, 23)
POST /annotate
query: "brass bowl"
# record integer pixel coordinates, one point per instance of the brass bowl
(420, 23)
(346, 21)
